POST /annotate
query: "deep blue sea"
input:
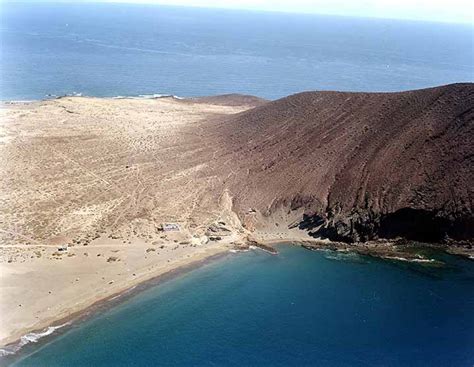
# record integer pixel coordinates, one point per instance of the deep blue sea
(118, 49)
(300, 308)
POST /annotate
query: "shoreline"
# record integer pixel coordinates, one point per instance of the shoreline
(14, 344)
(400, 249)
(13, 349)
(119, 181)
(49, 97)
(63, 323)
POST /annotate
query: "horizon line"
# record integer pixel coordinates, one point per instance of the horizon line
(237, 9)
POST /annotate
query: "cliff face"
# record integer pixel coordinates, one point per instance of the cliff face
(359, 165)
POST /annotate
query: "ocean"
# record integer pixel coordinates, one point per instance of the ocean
(131, 50)
(299, 308)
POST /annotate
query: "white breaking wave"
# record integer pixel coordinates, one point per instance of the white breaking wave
(155, 96)
(342, 256)
(55, 96)
(237, 251)
(140, 96)
(149, 96)
(416, 260)
(29, 338)
(19, 101)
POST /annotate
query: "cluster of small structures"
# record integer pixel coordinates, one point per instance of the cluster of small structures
(170, 227)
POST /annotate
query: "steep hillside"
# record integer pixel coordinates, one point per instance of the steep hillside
(359, 165)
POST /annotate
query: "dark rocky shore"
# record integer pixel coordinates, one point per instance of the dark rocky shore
(357, 167)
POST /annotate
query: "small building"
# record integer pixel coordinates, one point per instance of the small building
(169, 227)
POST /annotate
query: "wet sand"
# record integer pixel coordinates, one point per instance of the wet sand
(99, 177)
(88, 184)
(21, 347)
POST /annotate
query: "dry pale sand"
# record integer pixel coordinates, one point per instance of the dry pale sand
(102, 175)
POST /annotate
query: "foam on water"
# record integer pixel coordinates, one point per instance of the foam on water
(131, 50)
(293, 309)
(149, 96)
(342, 256)
(29, 338)
(413, 260)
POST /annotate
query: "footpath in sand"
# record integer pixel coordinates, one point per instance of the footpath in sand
(86, 185)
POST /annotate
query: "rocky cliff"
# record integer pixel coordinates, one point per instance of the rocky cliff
(358, 166)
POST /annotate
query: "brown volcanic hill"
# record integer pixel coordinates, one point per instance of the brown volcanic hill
(360, 165)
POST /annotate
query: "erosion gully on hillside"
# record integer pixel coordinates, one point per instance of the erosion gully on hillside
(344, 166)
(99, 195)
(359, 166)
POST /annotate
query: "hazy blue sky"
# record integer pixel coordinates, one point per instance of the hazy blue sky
(432, 10)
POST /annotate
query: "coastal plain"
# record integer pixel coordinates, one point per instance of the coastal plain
(87, 184)
(100, 194)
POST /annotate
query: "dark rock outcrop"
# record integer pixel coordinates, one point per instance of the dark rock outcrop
(359, 165)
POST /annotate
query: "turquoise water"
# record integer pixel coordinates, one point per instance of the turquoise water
(299, 308)
(119, 49)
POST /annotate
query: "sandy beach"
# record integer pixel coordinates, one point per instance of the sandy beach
(100, 194)
(87, 185)
(44, 293)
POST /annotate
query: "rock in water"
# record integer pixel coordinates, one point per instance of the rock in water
(358, 165)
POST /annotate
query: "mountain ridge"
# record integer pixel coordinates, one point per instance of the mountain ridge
(350, 159)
